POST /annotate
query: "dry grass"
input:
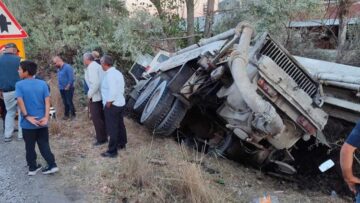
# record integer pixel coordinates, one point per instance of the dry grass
(192, 185)
(156, 170)
(136, 175)
(159, 170)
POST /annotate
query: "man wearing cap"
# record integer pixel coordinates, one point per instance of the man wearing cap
(9, 64)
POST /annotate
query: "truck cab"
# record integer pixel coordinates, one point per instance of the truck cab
(145, 65)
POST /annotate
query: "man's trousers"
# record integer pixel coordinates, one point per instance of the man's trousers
(115, 127)
(41, 137)
(11, 108)
(98, 119)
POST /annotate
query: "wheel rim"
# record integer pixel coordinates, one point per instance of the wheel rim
(145, 94)
(153, 101)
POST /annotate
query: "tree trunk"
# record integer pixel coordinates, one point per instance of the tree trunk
(209, 18)
(190, 21)
(157, 4)
(343, 10)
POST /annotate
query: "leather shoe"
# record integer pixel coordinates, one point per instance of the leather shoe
(107, 154)
(97, 143)
(121, 147)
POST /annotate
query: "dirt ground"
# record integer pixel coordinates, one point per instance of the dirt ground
(150, 170)
(16, 186)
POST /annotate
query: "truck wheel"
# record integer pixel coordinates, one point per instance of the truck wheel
(145, 95)
(172, 120)
(129, 106)
(157, 107)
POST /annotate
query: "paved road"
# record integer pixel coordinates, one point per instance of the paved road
(16, 186)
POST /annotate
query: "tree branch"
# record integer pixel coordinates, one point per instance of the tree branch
(184, 37)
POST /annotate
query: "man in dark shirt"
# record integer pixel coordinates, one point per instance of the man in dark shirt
(346, 160)
(9, 64)
(65, 77)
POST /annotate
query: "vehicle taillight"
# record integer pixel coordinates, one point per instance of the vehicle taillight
(301, 120)
(266, 87)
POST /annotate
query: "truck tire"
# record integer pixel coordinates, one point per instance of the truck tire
(172, 120)
(157, 107)
(129, 107)
(145, 95)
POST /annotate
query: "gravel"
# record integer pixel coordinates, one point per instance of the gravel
(17, 186)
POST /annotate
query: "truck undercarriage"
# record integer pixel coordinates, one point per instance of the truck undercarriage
(233, 96)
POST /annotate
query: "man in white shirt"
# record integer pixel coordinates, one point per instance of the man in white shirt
(112, 91)
(93, 77)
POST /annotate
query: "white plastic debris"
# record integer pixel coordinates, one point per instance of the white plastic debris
(326, 165)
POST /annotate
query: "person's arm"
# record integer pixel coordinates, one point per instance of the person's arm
(112, 90)
(31, 119)
(46, 96)
(94, 81)
(346, 163)
(44, 121)
(70, 76)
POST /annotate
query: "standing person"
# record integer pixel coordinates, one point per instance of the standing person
(112, 91)
(9, 64)
(34, 102)
(93, 77)
(346, 160)
(65, 77)
(96, 56)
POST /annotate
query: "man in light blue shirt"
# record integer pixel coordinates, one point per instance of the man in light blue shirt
(112, 92)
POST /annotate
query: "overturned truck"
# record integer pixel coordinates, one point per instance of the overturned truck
(246, 99)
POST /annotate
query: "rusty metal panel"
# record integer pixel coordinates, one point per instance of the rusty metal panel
(287, 87)
(268, 47)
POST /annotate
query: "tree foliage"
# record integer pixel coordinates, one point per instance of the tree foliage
(71, 27)
(67, 27)
(268, 15)
(173, 25)
(138, 34)
(275, 15)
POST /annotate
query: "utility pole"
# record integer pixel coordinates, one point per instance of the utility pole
(343, 7)
(190, 21)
